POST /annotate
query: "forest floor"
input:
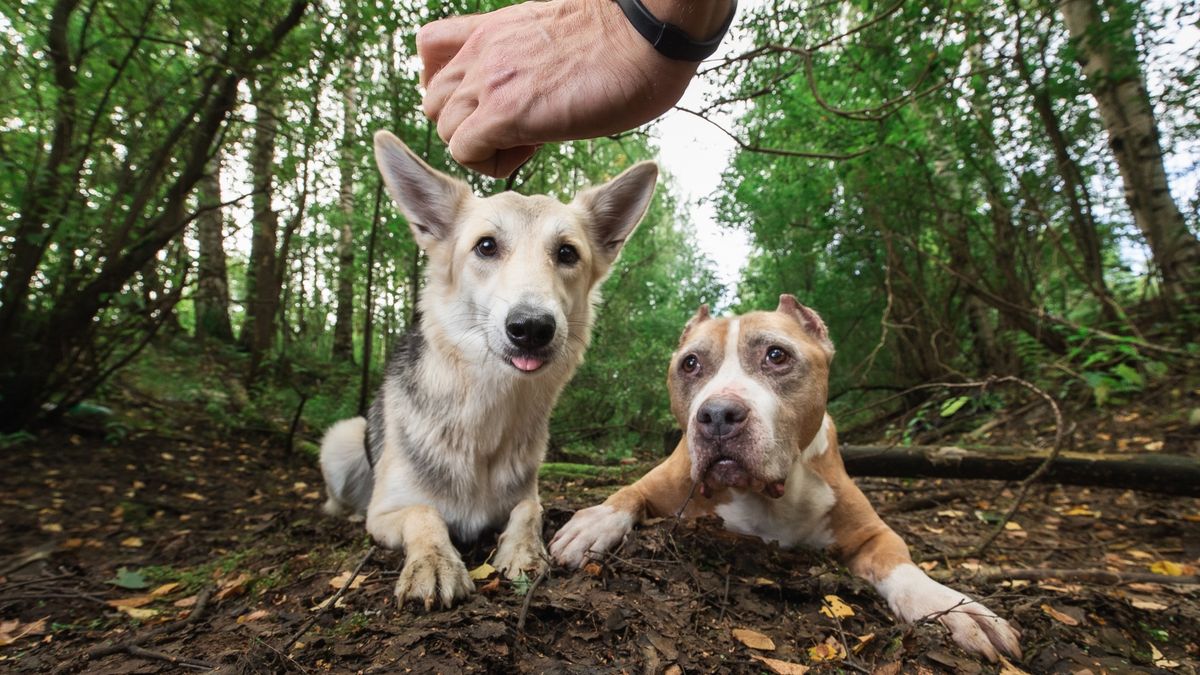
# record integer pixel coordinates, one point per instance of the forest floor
(197, 548)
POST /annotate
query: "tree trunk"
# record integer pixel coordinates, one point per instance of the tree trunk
(343, 330)
(1163, 473)
(1107, 53)
(261, 288)
(212, 284)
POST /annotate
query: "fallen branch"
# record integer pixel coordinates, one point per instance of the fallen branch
(133, 646)
(529, 598)
(1158, 473)
(328, 604)
(1084, 576)
(143, 653)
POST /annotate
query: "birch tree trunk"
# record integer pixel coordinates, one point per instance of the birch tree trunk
(212, 283)
(261, 290)
(343, 330)
(1107, 53)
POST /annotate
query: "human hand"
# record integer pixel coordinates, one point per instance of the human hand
(499, 85)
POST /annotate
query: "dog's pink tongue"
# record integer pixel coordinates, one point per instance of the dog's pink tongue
(527, 363)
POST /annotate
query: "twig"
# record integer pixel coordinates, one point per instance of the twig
(529, 598)
(131, 645)
(143, 653)
(682, 508)
(328, 604)
(725, 595)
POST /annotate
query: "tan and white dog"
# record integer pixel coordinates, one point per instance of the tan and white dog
(750, 391)
(453, 440)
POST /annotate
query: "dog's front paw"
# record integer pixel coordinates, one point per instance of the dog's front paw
(523, 552)
(433, 574)
(593, 530)
(914, 597)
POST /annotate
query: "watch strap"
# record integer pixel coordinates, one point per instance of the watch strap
(670, 40)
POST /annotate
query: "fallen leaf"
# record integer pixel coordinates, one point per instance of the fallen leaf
(482, 572)
(592, 569)
(139, 613)
(829, 650)
(1168, 568)
(135, 601)
(951, 513)
(1007, 668)
(72, 543)
(1059, 616)
(491, 586)
(340, 580)
(892, 668)
(1082, 511)
(13, 630)
(189, 601)
(863, 641)
(256, 615)
(130, 579)
(1012, 526)
(1160, 660)
(928, 565)
(194, 496)
(52, 528)
(165, 589)
(835, 608)
(132, 542)
(780, 667)
(754, 639)
(1149, 605)
(763, 581)
(233, 587)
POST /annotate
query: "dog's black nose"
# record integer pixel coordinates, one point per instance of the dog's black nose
(529, 329)
(722, 417)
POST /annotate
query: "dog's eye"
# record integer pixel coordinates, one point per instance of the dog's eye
(486, 247)
(776, 355)
(690, 363)
(567, 255)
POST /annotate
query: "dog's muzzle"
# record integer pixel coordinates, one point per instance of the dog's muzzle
(529, 331)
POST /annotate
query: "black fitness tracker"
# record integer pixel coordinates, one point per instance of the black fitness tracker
(670, 40)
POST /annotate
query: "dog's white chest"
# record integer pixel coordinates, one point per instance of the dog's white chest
(798, 518)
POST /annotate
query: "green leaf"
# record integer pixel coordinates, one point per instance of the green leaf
(127, 578)
(1129, 376)
(522, 584)
(954, 405)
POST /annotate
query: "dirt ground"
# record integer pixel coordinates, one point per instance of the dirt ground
(154, 554)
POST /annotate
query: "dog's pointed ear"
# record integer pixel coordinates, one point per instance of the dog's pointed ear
(430, 200)
(698, 318)
(615, 208)
(809, 320)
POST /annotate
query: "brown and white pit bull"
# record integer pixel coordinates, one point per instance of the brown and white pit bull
(751, 391)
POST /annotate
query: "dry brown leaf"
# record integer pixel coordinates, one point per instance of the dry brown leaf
(592, 569)
(491, 586)
(1149, 605)
(184, 603)
(1059, 616)
(754, 639)
(340, 580)
(135, 601)
(72, 543)
(1082, 511)
(892, 668)
(13, 630)
(132, 542)
(1160, 660)
(139, 613)
(53, 528)
(829, 650)
(780, 667)
(863, 641)
(256, 615)
(836, 608)
(233, 587)
(194, 496)
(1007, 668)
(673, 669)
(165, 589)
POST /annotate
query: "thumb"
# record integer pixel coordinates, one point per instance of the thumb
(439, 41)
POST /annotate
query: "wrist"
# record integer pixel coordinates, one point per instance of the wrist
(700, 20)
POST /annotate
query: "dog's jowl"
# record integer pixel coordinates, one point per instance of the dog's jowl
(453, 440)
(750, 391)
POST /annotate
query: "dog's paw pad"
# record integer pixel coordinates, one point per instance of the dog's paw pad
(434, 576)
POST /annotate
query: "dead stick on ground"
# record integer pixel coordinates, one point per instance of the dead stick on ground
(131, 645)
(143, 653)
(1086, 576)
(529, 598)
(328, 604)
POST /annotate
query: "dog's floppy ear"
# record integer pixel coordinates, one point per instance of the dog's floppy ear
(699, 317)
(809, 320)
(429, 199)
(616, 208)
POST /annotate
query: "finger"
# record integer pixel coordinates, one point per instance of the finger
(438, 42)
(504, 162)
(440, 91)
(452, 115)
